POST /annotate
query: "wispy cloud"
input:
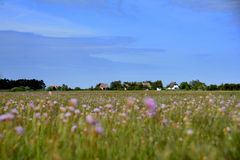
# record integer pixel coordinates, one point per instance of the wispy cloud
(113, 6)
(210, 4)
(230, 6)
(24, 19)
(109, 48)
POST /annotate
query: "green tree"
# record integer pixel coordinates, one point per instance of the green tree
(77, 88)
(197, 85)
(212, 87)
(157, 84)
(185, 86)
(116, 85)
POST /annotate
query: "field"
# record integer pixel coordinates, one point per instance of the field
(120, 125)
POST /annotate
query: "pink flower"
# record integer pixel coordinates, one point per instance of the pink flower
(151, 106)
(19, 130)
(73, 102)
(6, 117)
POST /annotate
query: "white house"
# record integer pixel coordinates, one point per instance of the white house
(173, 86)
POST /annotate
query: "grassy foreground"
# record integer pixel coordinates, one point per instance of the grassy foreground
(118, 125)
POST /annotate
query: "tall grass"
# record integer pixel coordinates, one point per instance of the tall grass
(187, 125)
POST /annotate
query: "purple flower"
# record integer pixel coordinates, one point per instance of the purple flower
(31, 104)
(37, 115)
(14, 111)
(96, 110)
(68, 114)
(99, 129)
(90, 120)
(6, 117)
(74, 128)
(19, 130)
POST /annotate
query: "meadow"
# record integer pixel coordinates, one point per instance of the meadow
(121, 125)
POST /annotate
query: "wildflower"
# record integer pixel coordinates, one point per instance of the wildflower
(70, 108)
(68, 114)
(50, 93)
(45, 115)
(131, 101)
(19, 130)
(150, 103)
(95, 125)
(151, 106)
(165, 122)
(227, 130)
(63, 109)
(109, 106)
(99, 129)
(96, 110)
(90, 120)
(37, 115)
(14, 111)
(73, 102)
(189, 132)
(211, 101)
(74, 128)
(163, 106)
(84, 106)
(222, 109)
(77, 111)
(6, 117)
(114, 130)
(31, 104)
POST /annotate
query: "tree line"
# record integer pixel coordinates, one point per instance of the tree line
(22, 84)
(149, 85)
(33, 84)
(198, 85)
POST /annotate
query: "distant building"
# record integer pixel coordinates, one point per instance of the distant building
(173, 86)
(146, 84)
(103, 86)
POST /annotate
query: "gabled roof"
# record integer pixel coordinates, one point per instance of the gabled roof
(172, 84)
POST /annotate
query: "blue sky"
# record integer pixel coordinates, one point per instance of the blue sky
(84, 42)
